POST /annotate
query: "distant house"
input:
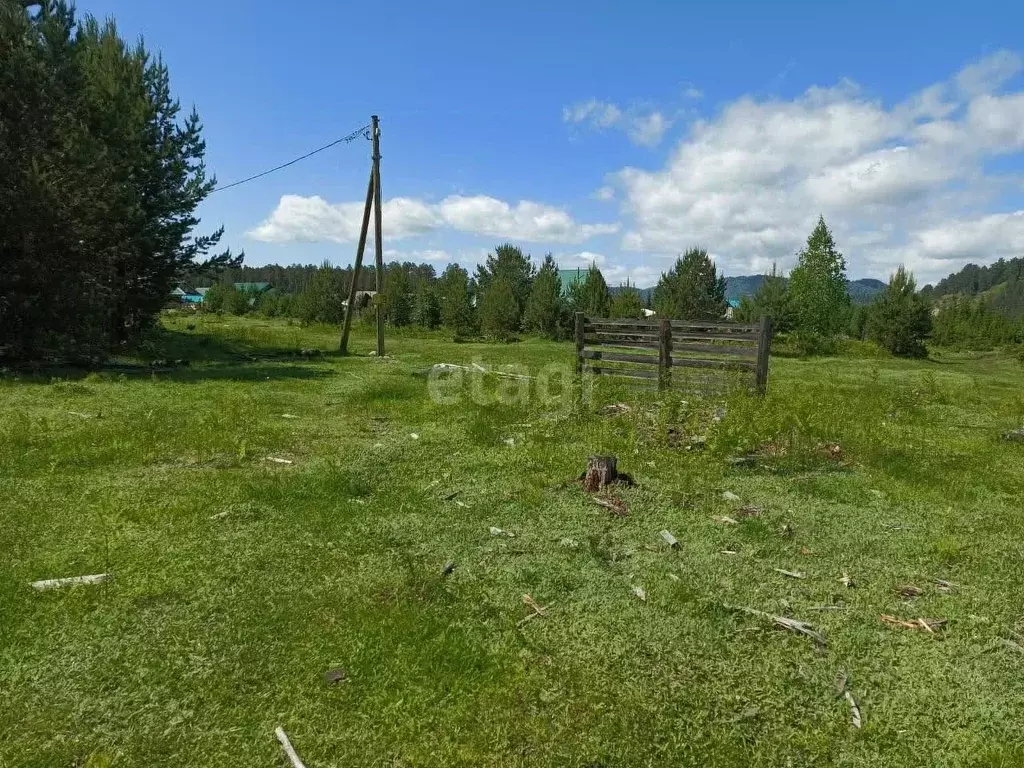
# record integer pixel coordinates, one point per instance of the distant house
(363, 300)
(184, 294)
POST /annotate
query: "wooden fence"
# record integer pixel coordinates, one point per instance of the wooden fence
(652, 349)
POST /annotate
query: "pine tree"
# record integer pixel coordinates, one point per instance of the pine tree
(590, 296)
(454, 297)
(102, 178)
(322, 301)
(626, 303)
(772, 299)
(900, 319)
(692, 289)
(499, 313)
(427, 313)
(817, 286)
(509, 263)
(397, 300)
(544, 308)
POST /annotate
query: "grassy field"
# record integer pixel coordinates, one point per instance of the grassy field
(238, 581)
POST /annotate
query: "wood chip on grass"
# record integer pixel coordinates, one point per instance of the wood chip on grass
(793, 625)
(289, 750)
(791, 574)
(70, 581)
(613, 504)
(920, 624)
(854, 709)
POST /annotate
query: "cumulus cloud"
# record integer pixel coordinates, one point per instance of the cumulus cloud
(313, 219)
(749, 183)
(645, 128)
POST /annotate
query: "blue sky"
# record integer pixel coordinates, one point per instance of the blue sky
(620, 133)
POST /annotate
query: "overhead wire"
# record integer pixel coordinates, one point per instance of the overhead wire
(364, 131)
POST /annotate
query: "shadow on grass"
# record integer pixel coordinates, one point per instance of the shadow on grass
(170, 355)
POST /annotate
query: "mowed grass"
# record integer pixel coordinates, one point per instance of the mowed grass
(238, 582)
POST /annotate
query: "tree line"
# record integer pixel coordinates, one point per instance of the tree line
(102, 175)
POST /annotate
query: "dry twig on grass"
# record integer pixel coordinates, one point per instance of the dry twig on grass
(613, 504)
(537, 608)
(927, 625)
(791, 574)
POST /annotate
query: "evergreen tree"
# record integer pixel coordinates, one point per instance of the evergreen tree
(817, 286)
(499, 313)
(321, 302)
(397, 300)
(771, 299)
(544, 309)
(455, 299)
(508, 262)
(692, 289)
(427, 313)
(626, 303)
(101, 180)
(590, 296)
(900, 319)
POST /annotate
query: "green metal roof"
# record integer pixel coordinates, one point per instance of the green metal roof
(570, 277)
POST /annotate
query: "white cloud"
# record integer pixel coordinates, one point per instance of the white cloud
(690, 91)
(299, 219)
(599, 114)
(645, 128)
(525, 220)
(648, 130)
(749, 183)
(604, 194)
(313, 219)
(988, 74)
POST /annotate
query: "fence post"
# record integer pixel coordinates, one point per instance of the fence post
(579, 342)
(664, 354)
(764, 345)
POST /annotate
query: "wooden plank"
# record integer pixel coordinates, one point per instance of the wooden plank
(579, 342)
(725, 364)
(615, 357)
(713, 336)
(622, 321)
(628, 373)
(620, 333)
(590, 342)
(694, 325)
(763, 349)
(709, 349)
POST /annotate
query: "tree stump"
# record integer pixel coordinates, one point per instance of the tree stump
(601, 471)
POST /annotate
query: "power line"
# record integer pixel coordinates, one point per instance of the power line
(364, 131)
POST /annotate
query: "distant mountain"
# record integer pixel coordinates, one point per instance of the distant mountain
(862, 291)
(999, 285)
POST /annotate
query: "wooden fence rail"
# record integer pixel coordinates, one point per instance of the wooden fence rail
(646, 349)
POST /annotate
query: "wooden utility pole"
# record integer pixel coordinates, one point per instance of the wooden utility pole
(372, 201)
(354, 288)
(377, 238)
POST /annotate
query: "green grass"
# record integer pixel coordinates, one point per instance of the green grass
(216, 629)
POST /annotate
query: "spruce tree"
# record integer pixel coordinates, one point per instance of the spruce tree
(817, 286)
(626, 303)
(900, 319)
(590, 296)
(544, 307)
(455, 300)
(499, 312)
(692, 289)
